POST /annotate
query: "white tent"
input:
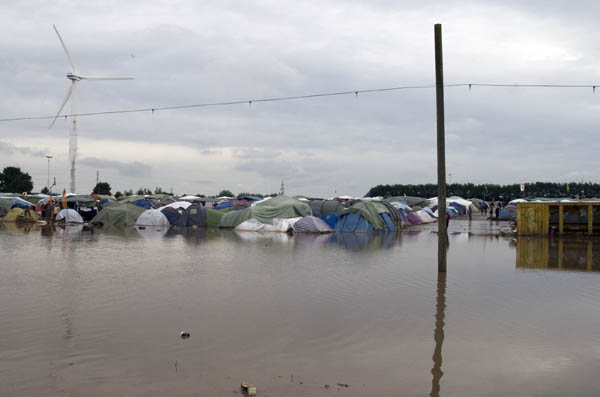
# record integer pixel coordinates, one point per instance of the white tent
(69, 215)
(515, 201)
(152, 217)
(190, 198)
(177, 204)
(279, 225)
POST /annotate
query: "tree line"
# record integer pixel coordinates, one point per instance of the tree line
(492, 191)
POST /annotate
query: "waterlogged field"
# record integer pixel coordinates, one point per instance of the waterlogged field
(97, 313)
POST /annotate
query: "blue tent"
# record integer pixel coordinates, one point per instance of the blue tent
(18, 202)
(171, 214)
(143, 203)
(353, 222)
(223, 205)
(331, 219)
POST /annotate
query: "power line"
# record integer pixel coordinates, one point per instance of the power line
(298, 97)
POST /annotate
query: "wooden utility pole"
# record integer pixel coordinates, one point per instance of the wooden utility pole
(441, 149)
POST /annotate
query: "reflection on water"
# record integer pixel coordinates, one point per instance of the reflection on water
(92, 312)
(438, 336)
(559, 253)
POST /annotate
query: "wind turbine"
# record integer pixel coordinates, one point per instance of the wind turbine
(75, 77)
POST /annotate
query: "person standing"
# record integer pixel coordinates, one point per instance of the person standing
(498, 212)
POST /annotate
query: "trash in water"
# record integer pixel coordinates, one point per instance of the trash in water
(184, 334)
(249, 390)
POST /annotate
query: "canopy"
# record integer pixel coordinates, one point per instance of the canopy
(119, 215)
(69, 216)
(282, 207)
(152, 217)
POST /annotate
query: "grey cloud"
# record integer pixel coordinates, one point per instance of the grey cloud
(133, 169)
(9, 149)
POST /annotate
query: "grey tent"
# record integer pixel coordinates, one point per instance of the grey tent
(194, 215)
(312, 224)
(329, 206)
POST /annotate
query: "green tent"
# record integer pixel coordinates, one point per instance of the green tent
(370, 210)
(282, 207)
(121, 215)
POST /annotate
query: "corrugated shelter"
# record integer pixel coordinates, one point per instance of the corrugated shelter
(543, 218)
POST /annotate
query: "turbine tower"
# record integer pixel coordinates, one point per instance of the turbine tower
(75, 77)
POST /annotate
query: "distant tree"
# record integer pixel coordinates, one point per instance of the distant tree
(158, 190)
(45, 190)
(226, 192)
(128, 192)
(101, 188)
(13, 180)
(246, 194)
(118, 194)
(142, 191)
(272, 195)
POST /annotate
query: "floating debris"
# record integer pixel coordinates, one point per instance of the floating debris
(184, 335)
(249, 390)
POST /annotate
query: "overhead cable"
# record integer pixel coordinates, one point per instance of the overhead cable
(297, 97)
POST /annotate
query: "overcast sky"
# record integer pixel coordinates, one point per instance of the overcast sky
(190, 52)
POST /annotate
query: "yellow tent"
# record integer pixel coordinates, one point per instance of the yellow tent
(19, 215)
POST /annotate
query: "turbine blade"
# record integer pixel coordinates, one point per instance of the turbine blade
(105, 78)
(66, 50)
(69, 92)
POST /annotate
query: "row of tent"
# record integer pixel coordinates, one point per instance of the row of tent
(280, 213)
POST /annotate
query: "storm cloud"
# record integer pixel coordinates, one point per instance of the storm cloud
(199, 53)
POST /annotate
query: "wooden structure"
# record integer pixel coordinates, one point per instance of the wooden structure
(554, 217)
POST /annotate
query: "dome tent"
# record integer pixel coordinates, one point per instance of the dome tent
(69, 215)
(152, 217)
(312, 224)
(119, 215)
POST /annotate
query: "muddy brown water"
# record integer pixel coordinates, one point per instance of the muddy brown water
(93, 314)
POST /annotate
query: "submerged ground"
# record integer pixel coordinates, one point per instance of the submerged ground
(101, 313)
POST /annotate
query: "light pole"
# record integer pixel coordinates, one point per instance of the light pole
(48, 185)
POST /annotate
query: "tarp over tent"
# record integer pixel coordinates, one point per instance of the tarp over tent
(279, 225)
(15, 202)
(119, 215)
(366, 216)
(282, 207)
(68, 215)
(152, 217)
(371, 211)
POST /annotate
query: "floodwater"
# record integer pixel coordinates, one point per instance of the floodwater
(95, 314)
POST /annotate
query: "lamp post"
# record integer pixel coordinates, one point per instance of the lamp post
(48, 184)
